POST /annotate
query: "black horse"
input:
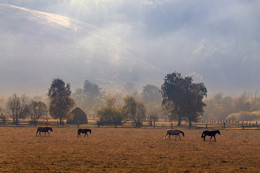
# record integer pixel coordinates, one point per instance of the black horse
(210, 133)
(44, 129)
(83, 131)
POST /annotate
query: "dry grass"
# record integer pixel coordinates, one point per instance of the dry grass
(127, 150)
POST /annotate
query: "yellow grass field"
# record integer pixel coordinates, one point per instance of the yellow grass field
(127, 150)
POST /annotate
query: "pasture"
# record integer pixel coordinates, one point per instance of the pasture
(127, 150)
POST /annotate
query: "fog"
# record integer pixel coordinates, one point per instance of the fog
(140, 41)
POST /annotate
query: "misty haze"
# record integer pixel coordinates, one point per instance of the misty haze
(129, 86)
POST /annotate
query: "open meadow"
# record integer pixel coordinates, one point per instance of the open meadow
(127, 150)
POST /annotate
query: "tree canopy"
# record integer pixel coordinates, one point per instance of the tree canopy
(110, 114)
(89, 98)
(182, 98)
(60, 99)
(134, 110)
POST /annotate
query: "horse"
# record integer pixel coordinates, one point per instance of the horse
(83, 131)
(44, 129)
(210, 133)
(174, 132)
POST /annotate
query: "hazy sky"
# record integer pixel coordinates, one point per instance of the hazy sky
(111, 42)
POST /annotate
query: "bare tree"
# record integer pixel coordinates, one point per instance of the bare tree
(134, 110)
(17, 108)
(37, 110)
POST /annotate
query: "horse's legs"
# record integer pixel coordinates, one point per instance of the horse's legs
(175, 137)
(215, 138)
(179, 137)
(211, 138)
(49, 133)
(37, 132)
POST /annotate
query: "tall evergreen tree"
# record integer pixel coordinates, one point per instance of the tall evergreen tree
(60, 99)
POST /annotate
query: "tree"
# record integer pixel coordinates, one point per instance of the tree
(134, 110)
(110, 114)
(183, 98)
(60, 99)
(152, 98)
(152, 118)
(17, 108)
(37, 110)
(90, 98)
(218, 107)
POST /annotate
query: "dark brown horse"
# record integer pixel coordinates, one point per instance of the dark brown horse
(85, 131)
(174, 132)
(44, 129)
(210, 133)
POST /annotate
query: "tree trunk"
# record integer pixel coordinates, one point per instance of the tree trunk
(179, 123)
(190, 124)
(60, 120)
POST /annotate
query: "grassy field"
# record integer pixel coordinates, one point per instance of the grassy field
(127, 150)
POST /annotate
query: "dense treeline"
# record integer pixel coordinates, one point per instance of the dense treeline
(178, 99)
(244, 107)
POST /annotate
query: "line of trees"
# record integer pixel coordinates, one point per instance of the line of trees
(21, 107)
(245, 107)
(179, 99)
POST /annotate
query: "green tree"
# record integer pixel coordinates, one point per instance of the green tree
(60, 99)
(37, 110)
(182, 97)
(110, 114)
(134, 110)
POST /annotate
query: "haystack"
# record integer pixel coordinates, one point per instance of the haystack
(77, 116)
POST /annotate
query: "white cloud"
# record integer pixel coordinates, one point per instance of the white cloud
(138, 40)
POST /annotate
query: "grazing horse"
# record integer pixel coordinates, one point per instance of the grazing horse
(43, 129)
(174, 132)
(83, 131)
(210, 133)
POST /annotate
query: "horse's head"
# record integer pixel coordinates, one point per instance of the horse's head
(89, 131)
(51, 129)
(218, 132)
(182, 133)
